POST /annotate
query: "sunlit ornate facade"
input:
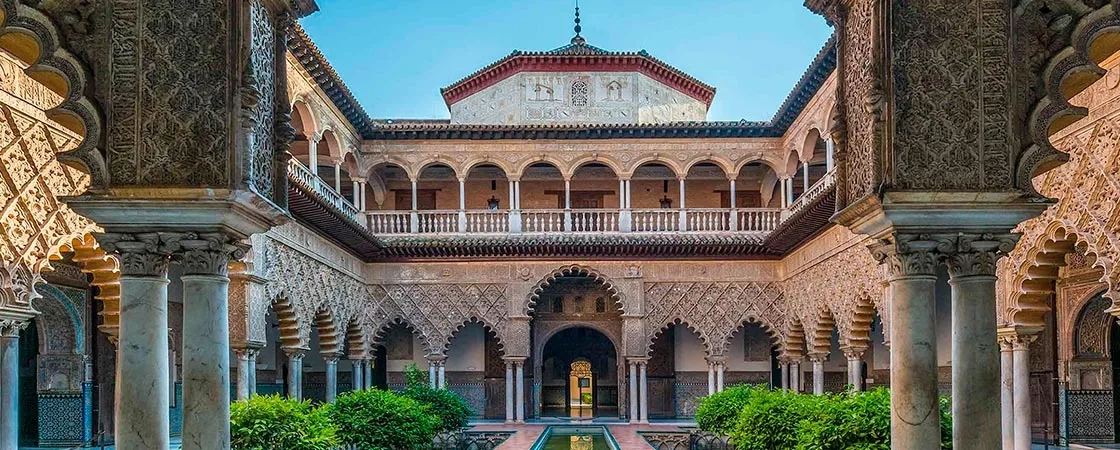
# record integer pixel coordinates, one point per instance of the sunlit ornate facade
(933, 209)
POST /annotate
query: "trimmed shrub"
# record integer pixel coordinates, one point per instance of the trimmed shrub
(770, 420)
(858, 420)
(267, 422)
(381, 420)
(451, 410)
(946, 423)
(717, 412)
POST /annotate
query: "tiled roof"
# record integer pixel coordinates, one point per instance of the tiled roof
(578, 54)
(807, 86)
(562, 246)
(706, 129)
(312, 60)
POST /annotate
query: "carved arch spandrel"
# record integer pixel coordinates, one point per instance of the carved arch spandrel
(577, 270)
(714, 309)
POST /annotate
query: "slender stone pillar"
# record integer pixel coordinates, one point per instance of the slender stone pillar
(368, 369)
(720, 366)
(634, 392)
(818, 372)
(432, 373)
(1007, 392)
(295, 372)
(509, 391)
(332, 377)
(520, 393)
(442, 383)
(9, 383)
(253, 372)
(915, 417)
(795, 375)
(976, 378)
(205, 261)
(1022, 389)
(784, 367)
(357, 375)
(246, 359)
(854, 356)
(643, 405)
(142, 392)
(711, 378)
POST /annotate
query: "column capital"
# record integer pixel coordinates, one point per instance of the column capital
(139, 254)
(208, 253)
(716, 359)
(295, 353)
(818, 357)
(976, 254)
(909, 255)
(853, 353)
(11, 327)
(514, 359)
(332, 358)
(1017, 338)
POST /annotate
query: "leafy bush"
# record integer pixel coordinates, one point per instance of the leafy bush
(381, 420)
(770, 419)
(451, 410)
(266, 422)
(946, 423)
(858, 420)
(415, 376)
(717, 412)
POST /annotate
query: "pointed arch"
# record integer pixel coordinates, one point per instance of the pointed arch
(768, 328)
(357, 340)
(490, 328)
(329, 343)
(652, 337)
(1033, 280)
(820, 339)
(400, 320)
(576, 270)
(795, 340)
(858, 333)
(291, 333)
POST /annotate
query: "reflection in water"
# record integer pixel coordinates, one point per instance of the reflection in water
(576, 438)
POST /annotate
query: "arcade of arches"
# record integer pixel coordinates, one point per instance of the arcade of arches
(933, 209)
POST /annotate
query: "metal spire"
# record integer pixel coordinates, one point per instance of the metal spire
(577, 39)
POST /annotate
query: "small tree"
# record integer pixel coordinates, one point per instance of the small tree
(717, 412)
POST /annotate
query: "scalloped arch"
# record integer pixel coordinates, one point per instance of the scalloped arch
(490, 328)
(775, 335)
(32, 36)
(696, 331)
(573, 270)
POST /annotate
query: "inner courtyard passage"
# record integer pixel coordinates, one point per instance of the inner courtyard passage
(196, 210)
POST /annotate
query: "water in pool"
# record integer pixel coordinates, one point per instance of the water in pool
(576, 439)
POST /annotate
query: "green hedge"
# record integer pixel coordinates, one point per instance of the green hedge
(268, 422)
(451, 410)
(717, 412)
(381, 420)
(758, 418)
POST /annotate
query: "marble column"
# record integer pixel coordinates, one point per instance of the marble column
(142, 403)
(1022, 390)
(520, 390)
(205, 261)
(976, 364)
(9, 383)
(338, 176)
(313, 155)
(368, 369)
(246, 358)
(711, 378)
(805, 176)
(509, 391)
(818, 372)
(442, 370)
(1007, 392)
(784, 367)
(720, 366)
(253, 372)
(332, 377)
(854, 356)
(634, 392)
(295, 372)
(795, 375)
(432, 373)
(915, 417)
(357, 375)
(643, 384)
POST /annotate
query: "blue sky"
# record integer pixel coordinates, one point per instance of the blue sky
(396, 54)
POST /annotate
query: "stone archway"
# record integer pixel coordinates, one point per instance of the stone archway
(569, 298)
(562, 349)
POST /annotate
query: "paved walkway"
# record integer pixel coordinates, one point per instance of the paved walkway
(628, 438)
(523, 437)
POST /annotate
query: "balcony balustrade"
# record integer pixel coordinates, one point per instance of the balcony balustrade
(538, 221)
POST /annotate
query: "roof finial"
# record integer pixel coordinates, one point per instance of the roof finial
(577, 39)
